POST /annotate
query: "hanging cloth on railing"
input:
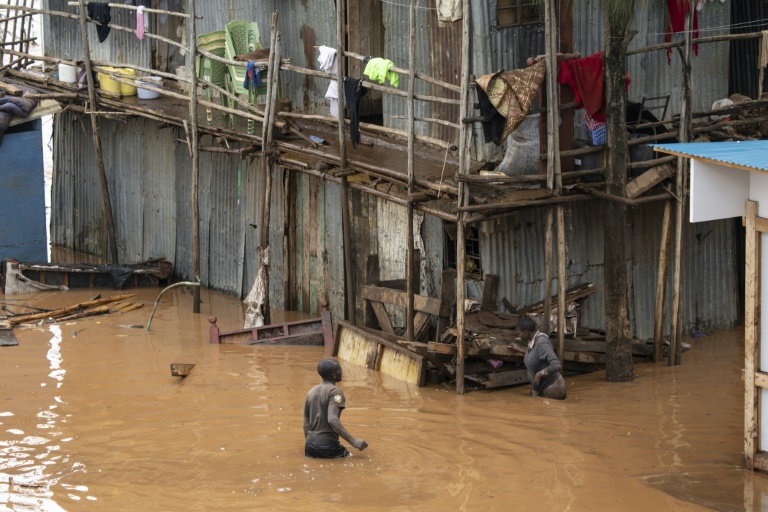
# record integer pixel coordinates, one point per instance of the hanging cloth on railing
(100, 12)
(677, 11)
(353, 91)
(252, 77)
(142, 20)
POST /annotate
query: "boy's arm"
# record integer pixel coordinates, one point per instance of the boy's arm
(335, 422)
(306, 420)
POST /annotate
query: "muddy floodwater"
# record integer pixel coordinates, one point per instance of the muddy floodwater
(92, 420)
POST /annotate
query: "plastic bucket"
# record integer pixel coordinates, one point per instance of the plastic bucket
(108, 84)
(67, 73)
(147, 87)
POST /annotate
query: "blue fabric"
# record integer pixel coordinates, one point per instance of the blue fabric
(252, 77)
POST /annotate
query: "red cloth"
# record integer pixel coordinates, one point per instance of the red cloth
(586, 77)
(677, 11)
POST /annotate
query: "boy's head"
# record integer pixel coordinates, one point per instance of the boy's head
(329, 369)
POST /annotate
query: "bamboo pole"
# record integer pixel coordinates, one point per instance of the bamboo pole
(554, 178)
(661, 283)
(682, 163)
(193, 121)
(349, 278)
(464, 147)
(409, 264)
(751, 331)
(106, 202)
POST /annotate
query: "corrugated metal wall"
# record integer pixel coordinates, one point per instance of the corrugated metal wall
(150, 186)
(513, 248)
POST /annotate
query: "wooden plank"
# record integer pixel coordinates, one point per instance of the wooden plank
(572, 294)
(661, 283)
(372, 273)
(761, 380)
(648, 180)
(761, 462)
(561, 281)
(393, 359)
(548, 261)
(399, 298)
(751, 330)
(67, 310)
(447, 295)
(490, 292)
(761, 224)
(421, 325)
(509, 378)
(382, 316)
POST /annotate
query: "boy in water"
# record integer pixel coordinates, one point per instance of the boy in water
(322, 409)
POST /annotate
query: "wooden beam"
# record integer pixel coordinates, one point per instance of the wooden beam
(409, 263)
(661, 283)
(399, 298)
(761, 224)
(751, 330)
(191, 66)
(447, 295)
(761, 380)
(648, 180)
(490, 292)
(382, 317)
(562, 280)
(372, 272)
(548, 263)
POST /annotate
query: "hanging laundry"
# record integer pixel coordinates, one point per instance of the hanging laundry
(142, 20)
(353, 91)
(586, 77)
(493, 123)
(512, 93)
(252, 77)
(15, 106)
(677, 11)
(378, 69)
(448, 11)
(762, 62)
(327, 61)
(100, 12)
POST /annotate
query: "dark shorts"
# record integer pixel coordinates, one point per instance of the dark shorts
(330, 451)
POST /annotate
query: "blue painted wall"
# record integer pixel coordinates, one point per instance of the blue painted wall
(22, 194)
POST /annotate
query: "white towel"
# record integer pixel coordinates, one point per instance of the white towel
(327, 60)
(332, 94)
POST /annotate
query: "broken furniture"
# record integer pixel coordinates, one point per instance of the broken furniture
(312, 332)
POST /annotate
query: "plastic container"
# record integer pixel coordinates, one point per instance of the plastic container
(108, 84)
(67, 73)
(147, 87)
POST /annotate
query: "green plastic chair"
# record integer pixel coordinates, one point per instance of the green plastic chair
(211, 70)
(241, 37)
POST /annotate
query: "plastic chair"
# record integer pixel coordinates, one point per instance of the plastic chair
(211, 70)
(241, 37)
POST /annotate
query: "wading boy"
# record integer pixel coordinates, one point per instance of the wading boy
(322, 411)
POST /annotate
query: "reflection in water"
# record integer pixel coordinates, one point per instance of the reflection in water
(96, 422)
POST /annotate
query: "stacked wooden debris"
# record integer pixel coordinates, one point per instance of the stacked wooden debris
(96, 306)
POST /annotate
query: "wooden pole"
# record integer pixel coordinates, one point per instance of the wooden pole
(349, 280)
(751, 318)
(682, 166)
(106, 202)
(193, 128)
(409, 264)
(548, 264)
(554, 178)
(267, 130)
(561, 281)
(464, 143)
(661, 283)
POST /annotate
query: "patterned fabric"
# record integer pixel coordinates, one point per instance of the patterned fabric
(513, 92)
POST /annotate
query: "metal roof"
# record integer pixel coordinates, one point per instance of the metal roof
(751, 155)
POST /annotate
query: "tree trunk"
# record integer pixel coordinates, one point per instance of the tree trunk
(617, 330)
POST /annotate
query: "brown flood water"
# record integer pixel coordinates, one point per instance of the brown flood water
(96, 419)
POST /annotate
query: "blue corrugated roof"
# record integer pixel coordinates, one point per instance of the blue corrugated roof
(749, 154)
